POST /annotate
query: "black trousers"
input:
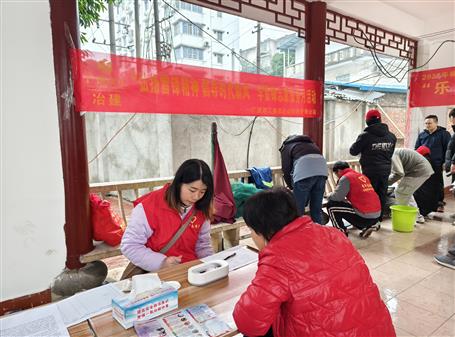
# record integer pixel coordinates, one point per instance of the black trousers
(438, 171)
(380, 183)
(339, 210)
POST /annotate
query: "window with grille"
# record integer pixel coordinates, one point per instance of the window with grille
(218, 58)
(189, 53)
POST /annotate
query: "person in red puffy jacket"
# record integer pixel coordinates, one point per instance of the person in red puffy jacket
(310, 281)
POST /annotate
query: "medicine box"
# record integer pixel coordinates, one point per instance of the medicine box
(150, 304)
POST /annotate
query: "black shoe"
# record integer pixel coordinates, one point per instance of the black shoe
(451, 251)
(366, 232)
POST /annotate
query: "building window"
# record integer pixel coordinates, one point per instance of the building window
(187, 28)
(189, 53)
(219, 58)
(189, 7)
(219, 14)
(219, 35)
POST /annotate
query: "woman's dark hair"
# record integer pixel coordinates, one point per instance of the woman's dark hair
(267, 212)
(192, 170)
(452, 113)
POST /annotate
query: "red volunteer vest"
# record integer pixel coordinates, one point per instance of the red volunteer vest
(361, 194)
(165, 222)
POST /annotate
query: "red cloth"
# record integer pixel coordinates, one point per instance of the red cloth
(311, 281)
(224, 203)
(361, 193)
(165, 222)
(107, 225)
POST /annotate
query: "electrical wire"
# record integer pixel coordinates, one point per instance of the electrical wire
(380, 65)
(232, 134)
(249, 143)
(352, 111)
(274, 128)
(377, 61)
(112, 138)
(215, 39)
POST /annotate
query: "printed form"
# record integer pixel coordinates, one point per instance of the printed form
(41, 321)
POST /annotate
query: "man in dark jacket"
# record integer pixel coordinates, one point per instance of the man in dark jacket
(305, 172)
(375, 146)
(436, 138)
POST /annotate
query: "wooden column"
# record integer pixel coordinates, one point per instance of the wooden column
(315, 25)
(78, 231)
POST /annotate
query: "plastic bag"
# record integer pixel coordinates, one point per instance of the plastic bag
(107, 225)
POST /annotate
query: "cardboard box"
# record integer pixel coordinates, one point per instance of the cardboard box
(151, 304)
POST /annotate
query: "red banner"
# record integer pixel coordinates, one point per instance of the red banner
(432, 88)
(112, 83)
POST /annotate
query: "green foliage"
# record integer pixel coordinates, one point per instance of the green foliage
(277, 64)
(89, 13)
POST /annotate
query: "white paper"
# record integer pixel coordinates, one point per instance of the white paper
(41, 321)
(243, 256)
(144, 283)
(84, 305)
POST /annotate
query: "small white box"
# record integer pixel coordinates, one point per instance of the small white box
(208, 272)
(151, 304)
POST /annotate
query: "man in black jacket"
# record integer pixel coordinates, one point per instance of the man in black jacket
(305, 172)
(436, 138)
(375, 146)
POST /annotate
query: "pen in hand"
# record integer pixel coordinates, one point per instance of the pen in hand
(229, 256)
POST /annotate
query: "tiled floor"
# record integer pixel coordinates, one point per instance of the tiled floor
(419, 293)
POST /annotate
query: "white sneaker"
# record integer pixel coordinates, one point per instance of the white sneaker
(420, 219)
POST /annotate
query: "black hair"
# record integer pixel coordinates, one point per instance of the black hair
(192, 170)
(452, 113)
(267, 212)
(434, 117)
(340, 165)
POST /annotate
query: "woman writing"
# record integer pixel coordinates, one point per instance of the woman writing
(171, 225)
(311, 281)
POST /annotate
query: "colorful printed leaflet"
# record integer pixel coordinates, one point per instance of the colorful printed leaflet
(198, 321)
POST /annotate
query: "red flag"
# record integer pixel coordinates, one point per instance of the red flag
(224, 199)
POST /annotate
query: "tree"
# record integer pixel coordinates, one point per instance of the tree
(277, 64)
(89, 13)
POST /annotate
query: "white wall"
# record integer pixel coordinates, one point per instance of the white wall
(32, 197)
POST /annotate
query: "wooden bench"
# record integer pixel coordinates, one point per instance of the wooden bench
(223, 235)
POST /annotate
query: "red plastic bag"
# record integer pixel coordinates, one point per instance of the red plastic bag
(107, 225)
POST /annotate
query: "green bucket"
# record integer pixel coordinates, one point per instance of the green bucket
(403, 218)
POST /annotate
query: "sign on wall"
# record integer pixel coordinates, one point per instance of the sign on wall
(112, 83)
(434, 87)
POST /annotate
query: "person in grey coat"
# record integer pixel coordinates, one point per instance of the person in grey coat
(411, 169)
(305, 172)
